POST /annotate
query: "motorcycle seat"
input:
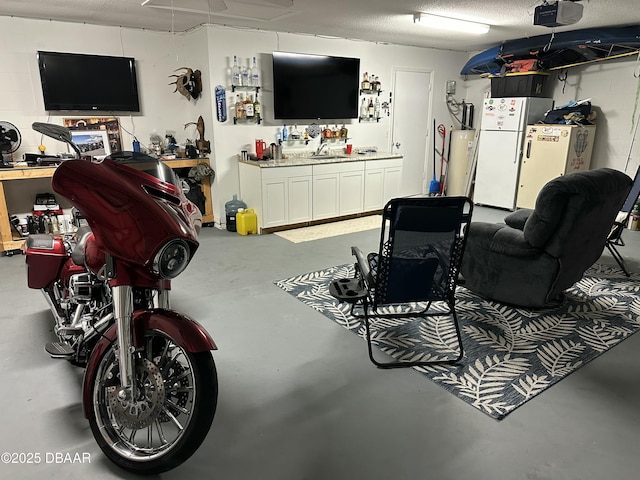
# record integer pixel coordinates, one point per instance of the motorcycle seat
(77, 255)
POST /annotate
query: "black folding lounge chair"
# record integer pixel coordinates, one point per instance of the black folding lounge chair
(421, 246)
(615, 236)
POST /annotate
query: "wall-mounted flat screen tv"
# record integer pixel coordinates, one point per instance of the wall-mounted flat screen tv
(315, 86)
(72, 81)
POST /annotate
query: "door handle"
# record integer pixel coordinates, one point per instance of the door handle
(529, 149)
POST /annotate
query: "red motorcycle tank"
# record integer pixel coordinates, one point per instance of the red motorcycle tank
(45, 256)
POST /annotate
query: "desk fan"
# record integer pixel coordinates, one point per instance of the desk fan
(10, 140)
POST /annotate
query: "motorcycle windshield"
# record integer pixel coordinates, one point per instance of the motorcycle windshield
(133, 204)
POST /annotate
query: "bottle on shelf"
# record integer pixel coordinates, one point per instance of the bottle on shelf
(255, 74)
(285, 133)
(364, 109)
(244, 74)
(235, 71)
(248, 107)
(376, 108)
(371, 109)
(344, 132)
(376, 84)
(239, 107)
(295, 133)
(257, 108)
(365, 85)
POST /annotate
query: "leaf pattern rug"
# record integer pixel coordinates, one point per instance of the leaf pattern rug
(510, 354)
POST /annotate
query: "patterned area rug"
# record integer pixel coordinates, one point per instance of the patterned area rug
(333, 229)
(511, 354)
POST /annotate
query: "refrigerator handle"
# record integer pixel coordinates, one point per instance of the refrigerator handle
(529, 149)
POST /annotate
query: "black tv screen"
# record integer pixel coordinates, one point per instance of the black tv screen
(315, 86)
(72, 81)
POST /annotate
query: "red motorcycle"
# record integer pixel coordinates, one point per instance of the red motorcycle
(150, 385)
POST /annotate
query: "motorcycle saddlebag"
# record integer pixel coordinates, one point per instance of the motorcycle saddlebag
(45, 255)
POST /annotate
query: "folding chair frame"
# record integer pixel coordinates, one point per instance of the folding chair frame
(362, 289)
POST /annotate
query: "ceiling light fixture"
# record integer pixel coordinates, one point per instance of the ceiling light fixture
(447, 23)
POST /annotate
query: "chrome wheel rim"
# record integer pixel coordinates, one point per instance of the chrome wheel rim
(153, 423)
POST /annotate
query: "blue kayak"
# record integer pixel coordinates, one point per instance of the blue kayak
(554, 51)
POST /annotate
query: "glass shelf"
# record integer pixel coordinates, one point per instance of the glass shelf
(244, 87)
(369, 119)
(370, 92)
(247, 121)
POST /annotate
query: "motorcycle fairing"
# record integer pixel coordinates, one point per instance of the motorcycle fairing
(131, 213)
(185, 331)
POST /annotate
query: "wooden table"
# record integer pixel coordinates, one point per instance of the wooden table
(7, 243)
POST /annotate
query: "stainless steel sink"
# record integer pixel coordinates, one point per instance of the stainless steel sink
(326, 157)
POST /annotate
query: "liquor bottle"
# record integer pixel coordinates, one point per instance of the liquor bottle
(344, 132)
(295, 133)
(376, 108)
(366, 85)
(248, 106)
(377, 84)
(255, 74)
(239, 107)
(371, 109)
(285, 134)
(372, 85)
(257, 108)
(235, 71)
(244, 74)
(364, 111)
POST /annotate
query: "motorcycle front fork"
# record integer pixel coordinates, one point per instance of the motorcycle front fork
(123, 311)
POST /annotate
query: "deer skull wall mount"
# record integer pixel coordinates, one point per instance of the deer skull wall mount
(188, 83)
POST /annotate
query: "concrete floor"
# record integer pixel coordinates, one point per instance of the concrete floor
(299, 399)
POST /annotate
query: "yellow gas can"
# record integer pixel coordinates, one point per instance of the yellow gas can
(246, 222)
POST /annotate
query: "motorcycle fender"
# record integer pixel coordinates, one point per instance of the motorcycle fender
(185, 331)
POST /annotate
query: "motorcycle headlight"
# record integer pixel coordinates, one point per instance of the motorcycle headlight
(172, 259)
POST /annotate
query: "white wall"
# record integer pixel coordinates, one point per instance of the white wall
(611, 85)
(380, 59)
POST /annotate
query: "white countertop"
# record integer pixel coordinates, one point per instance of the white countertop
(320, 159)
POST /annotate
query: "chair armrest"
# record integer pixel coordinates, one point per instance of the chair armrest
(501, 239)
(363, 264)
(518, 218)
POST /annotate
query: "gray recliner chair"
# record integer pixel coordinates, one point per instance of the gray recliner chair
(537, 254)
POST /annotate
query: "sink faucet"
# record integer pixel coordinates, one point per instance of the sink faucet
(322, 145)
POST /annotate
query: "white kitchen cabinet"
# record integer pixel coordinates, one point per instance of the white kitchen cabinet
(278, 195)
(288, 195)
(381, 182)
(338, 189)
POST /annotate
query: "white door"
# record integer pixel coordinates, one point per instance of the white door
(410, 135)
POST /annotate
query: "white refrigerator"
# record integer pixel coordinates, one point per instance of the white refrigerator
(549, 152)
(502, 130)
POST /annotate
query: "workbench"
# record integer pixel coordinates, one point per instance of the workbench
(8, 243)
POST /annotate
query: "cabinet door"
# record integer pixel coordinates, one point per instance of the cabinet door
(326, 195)
(275, 198)
(299, 199)
(351, 192)
(373, 189)
(392, 179)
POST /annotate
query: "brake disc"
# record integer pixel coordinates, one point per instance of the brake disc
(142, 411)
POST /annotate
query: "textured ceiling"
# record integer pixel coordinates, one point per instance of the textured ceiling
(386, 21)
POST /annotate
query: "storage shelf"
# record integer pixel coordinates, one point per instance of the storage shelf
(370, 92)
(244, 87)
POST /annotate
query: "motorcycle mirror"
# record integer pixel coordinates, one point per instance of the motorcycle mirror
(57, 132)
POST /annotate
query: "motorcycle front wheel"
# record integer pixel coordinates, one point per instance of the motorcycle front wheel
(176, 397)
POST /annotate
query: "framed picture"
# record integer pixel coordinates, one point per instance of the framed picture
(94, 143)
(109, 125)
